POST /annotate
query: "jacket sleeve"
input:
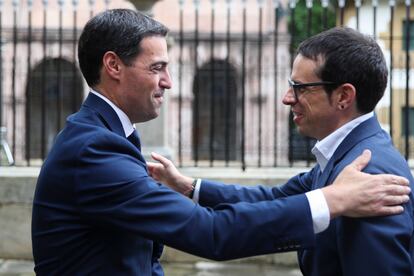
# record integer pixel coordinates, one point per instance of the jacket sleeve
(120, 194)
(213, 193)
(379, 245)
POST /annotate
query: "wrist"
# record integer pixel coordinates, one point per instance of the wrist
(188, 186)
(193, 185)
(334, 201)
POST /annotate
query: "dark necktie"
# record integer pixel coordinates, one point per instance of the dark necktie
(134, 139)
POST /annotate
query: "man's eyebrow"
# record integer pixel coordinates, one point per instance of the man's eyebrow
(161, 62)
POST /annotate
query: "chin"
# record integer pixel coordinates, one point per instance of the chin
(304, 132)
(153, 116)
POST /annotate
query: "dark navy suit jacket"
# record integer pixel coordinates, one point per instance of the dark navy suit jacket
(352, 247)
(97, 212)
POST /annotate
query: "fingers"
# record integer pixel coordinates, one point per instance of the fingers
(361, 161)
(158, 157)
(152, 164)
(396, 190)
(389, 210)
(395, 200)
(394, 180)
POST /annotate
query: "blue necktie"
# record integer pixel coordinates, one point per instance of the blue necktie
(134, 139)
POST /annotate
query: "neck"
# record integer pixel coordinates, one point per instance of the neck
(107, 93)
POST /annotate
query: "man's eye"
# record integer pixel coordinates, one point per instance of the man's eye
(157, 67)
(301, 89)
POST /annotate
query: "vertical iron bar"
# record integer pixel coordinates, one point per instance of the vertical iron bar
(374, 13)
(227, 89)
(292, 5)
(14, 77)
(74, 70)
(259, 84)
(325, 4)
(59, 101)
(180, 84)
(196, 131)
(91, 4)
(407, 78)
(309, 5)
(275, 46)
(44, 96)
(357, 8)
(212, 87)
(341, 4)
(391, 38)
(1, 67)
(29, 85)
(243, 134)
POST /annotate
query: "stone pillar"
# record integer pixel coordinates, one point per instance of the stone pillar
(144, 5)
(153, 134)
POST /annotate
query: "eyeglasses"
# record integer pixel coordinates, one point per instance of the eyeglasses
(298, 88)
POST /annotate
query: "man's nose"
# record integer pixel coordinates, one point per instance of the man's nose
(165, 81)
(289, 97)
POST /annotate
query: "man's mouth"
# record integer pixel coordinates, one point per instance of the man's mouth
(297, 116)
(159, 96)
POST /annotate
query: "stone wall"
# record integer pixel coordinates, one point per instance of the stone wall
(17, 186)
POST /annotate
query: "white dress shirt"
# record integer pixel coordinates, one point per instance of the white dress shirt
(125, 121)
(323, 151)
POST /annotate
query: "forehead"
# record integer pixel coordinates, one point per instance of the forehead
(304, 69)
(153, 47)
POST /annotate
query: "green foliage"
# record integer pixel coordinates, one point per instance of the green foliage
(302, 28)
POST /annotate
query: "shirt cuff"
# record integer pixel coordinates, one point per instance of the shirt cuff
(196, 194)
(319, 210)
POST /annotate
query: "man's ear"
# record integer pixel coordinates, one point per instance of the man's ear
(112, 64)
(345, 96)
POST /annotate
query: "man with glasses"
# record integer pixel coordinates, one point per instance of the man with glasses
(337, 79)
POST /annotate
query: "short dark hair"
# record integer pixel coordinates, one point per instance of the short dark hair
(117, 30)
(347, 56)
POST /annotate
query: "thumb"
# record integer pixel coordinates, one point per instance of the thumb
(361, 161)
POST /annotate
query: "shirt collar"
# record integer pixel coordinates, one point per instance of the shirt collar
(325, 148)
(125, 121)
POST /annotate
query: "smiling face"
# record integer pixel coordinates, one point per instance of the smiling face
(142, 83)
(314, 113)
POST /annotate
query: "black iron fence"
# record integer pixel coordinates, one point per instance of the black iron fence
(230, 61)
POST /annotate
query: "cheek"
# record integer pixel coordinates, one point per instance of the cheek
(308, 107)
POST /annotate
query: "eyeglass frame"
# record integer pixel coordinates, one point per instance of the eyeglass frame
(294, 86)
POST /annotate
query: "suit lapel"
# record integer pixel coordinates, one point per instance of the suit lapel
(362, 131)
(134, 139)
(106, 113)
(111, 120)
